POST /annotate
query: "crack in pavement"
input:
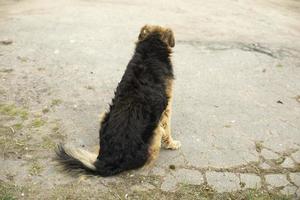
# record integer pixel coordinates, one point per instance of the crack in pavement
(277, 53)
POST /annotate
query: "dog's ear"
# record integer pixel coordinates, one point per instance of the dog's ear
(168, 37)
(145, 30)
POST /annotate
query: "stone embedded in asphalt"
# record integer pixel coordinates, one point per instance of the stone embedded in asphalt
(289, 190)
(288, 163)
(250, 180)
(158, 171)
(264, 166)
(296, 156)
(188, 176)
(223, 181)
(276, 180)
(169, 184)
(298, 193)
(269, 154)
(185, 176)
(142, 187)
(295, 178)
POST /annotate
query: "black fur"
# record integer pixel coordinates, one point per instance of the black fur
(70, 163)
(135, 111)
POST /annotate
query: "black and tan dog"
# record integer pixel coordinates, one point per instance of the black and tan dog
(138, 120)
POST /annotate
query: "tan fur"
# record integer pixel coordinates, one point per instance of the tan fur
(165, 121)
(166, 34)
(155, 145)
(162, 133)
(101, 116)
(87, 158)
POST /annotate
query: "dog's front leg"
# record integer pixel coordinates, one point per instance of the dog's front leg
(168, 141)
(165, 121)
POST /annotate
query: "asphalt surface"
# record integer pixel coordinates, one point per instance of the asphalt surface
(236, 104)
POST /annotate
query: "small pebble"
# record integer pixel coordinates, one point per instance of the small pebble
(6, 42)
(279, 102)
(172, 167)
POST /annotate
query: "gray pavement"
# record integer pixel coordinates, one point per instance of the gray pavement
(236, 104)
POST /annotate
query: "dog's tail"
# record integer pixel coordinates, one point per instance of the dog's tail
(76, 159)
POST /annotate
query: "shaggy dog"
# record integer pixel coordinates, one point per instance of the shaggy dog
(138, 120)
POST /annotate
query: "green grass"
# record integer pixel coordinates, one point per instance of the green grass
(38, 123)
(55, 102)
(7, 192)
(36, 168)
(13, 111)
(258, 146)
(48, 143)
(186, 191)
(45, 110)
(6, 70)
(18, 126)
(9, 144)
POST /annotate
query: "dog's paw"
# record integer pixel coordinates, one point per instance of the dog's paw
(175, 144)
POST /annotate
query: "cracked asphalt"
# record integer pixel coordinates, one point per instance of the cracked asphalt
(236, 104)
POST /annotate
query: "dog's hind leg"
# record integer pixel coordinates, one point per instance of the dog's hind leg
(155, 145)
(165, 122)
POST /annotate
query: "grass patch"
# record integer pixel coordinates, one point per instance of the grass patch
(55, 102)
(7, 192)
(45, 110)
(18, 126)
(258, 146)
(36, 169)
(6, 70)
(76, 191)
(10, 144)
(48, 143)
(13, 111)
(55, 129)
(254, 194)
(10, 110)
(22, 59)
(11, 191)
(186, 191)
(38, 123)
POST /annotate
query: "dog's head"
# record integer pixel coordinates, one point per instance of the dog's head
(166, 34)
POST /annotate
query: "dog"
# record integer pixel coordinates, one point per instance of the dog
(139, 116)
